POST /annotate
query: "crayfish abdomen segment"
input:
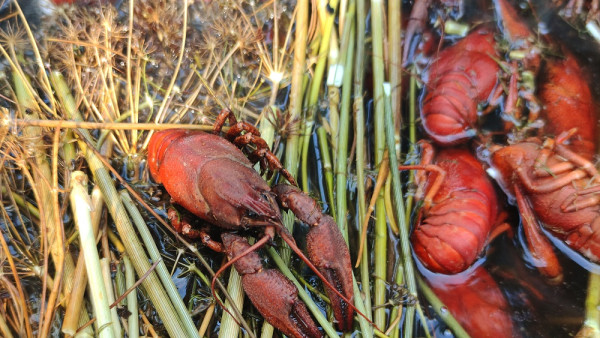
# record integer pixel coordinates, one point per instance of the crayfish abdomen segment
(273, 295)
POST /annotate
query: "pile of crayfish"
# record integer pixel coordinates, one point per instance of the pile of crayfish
(544, 164)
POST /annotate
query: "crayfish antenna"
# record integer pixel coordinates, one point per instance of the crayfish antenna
(292, 244)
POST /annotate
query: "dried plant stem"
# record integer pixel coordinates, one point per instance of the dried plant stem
(161, 268)
(103, 125)
(17, 282)
(404, 235)
(132, 303)
(22, 203)
(163, 107)
(46, 183)
(208, 316)
(81, 205)
(394, 66)
(133, 247)
(4, 329)
(382, 175)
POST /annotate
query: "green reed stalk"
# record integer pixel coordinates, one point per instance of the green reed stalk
(348, 43)
(359, 122)
(327, 168)
(295, 114)
(404, 235)
(151, 284)
(395, 65)
(315, 88)
(381, 235)
(441, 310)
(341, 164)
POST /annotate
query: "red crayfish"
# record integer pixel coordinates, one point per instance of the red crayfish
(459, 212)
(463, 76)
(555, 188)
(210, 177)
(567, 104)
(476, 302)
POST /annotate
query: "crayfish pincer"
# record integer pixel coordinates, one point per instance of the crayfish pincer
(212, 178)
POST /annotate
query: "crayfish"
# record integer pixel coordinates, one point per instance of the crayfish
(555, 188)
(459, 213)
(212, 178)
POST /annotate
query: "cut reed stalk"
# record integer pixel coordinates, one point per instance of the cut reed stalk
(229, 326)
(81, 206)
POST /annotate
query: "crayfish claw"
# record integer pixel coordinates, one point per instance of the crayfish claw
(328, 251)
(271, 293)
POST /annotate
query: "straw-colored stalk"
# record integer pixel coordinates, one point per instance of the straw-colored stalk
(81, 206)
(46, 192)
(73, 319)
(110, 295)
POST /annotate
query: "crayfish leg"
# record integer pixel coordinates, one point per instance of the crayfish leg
(271, 293)
(539, 246)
